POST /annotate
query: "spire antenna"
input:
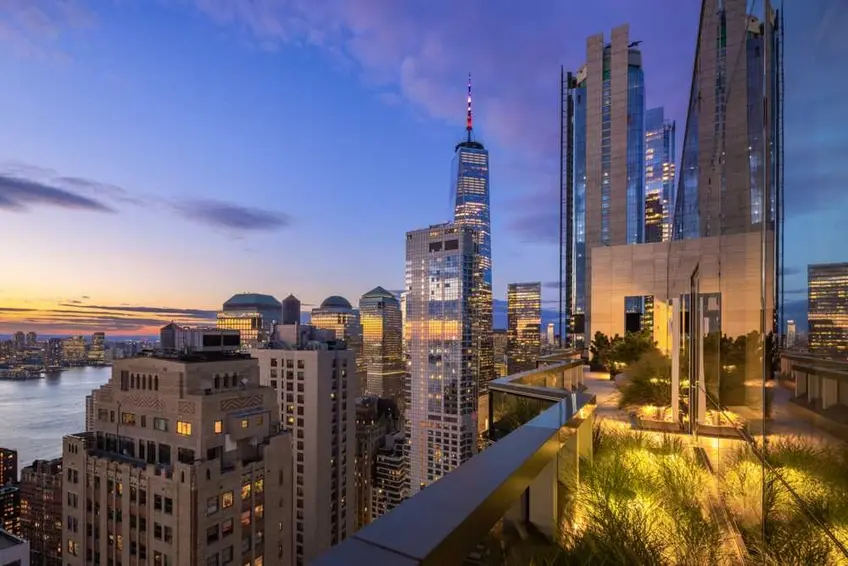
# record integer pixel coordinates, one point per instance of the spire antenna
(468, 116)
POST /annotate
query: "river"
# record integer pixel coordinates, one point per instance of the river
(36, 414)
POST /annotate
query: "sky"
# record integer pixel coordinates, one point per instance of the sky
(159, 156)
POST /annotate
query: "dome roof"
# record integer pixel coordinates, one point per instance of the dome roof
(242, 300)
(379, 293)
(335, 302)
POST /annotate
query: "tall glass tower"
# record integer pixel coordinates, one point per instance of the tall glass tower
(382, 346)
(659, 175)
(470, 197)
(524, 321)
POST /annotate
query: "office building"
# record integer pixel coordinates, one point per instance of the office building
(390, 476)
(74, 350)
(791, 333)
(90, 413)
(97, 350)
(382, 344)
(441, 407)
(8, 466)
(54, 353)
(187, 464)
(315, 385)
(827, 308)
(659, 175)
(500, 340)
(291, 310)
(14, 551)
(336, 314)
(10, 509)
(375, 418)
(524, 319)
(41, 511)
(19, 340)
(31, 339)
(550, 335)
(253, 315)
(470, 196)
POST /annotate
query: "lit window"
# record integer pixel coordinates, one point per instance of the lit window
(259, 485)
(219, 427)
(260, 420)
(184, 428)
(258, 561)
(245, 490)
(245, 518)
(259, 511)
(245, 423)
(227, 500)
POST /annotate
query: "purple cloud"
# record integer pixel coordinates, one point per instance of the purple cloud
(18, 194)
(232, 217)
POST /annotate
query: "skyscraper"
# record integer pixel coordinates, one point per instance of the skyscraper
(524, 319)
(253, 315)
(470, 196)
(827, 308)
(659, 175)
(791, 333)
(291, 310)
(382, 344)
(41, 511)
(97, 351)
(8, 466)
(604, 117)
(336, 314)
(551, 335)
(187, 465)
(316, 387)
(441, 408)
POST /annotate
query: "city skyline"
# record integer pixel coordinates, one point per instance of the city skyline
(237, 178)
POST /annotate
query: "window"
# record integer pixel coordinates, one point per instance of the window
(258, 561)
(299, 364)
(157, 502)
(184, 428)
(128, 418)
(169, 534)
(219, 427)
(259, 485)
(227, 528)
(157, 531)
(212, 505)
(227, 555)
(169, 506)
(212, 534)
(259, 511)
(245, 518)
(259, 420)
(227, 500)
(160, 424)
(212, 560)
(245, 490)
(245, 423)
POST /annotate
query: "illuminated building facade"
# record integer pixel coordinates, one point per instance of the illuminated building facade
(499, 346)
(253, 315)
(659, 175)
(8, 466)
(375, 418)
(73, 350)
(97, 351)
(382, 344)
(10, 509)
(336, 314)
(791, 333)
(41, 511)
(441, 406)
(827, 304)
(390, 476)
(470, 195)
(524, 320)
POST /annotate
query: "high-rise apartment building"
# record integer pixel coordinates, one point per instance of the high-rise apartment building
(551, 334)
(390, 476)
(315, 385)
(524, 319)
(31, 339)
(187, 464)
(659, 175)
(10, 509)
(253, 315)
(8, 466)
(97, 350)
(791, 333)
(827, 308)
(441, 407)
(470, 198)
(382, 344)
(605, 163)
(41, 511)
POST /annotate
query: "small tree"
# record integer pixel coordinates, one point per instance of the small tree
(600, 349)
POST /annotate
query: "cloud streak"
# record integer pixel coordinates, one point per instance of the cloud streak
(232, 217)
(20, 195)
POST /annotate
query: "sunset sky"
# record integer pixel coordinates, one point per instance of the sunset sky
(158, 156)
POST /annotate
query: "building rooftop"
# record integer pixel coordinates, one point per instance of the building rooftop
(245, 300)
(336, 302)
(194, 357)
(379, 292)
(8, 540)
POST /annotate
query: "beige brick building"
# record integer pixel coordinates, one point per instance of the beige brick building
(187, 464)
